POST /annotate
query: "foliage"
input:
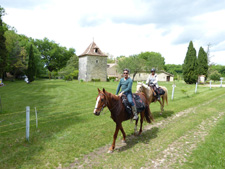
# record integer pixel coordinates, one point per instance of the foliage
(111, 60)
(152, 59)
(31, 65)
(95, 80)
(70, 68)
(173, 69)
(3, 50)
(54, 56)
(219, 68)
(202, 62)
(215, 75)
(133, 63)
(190, 72)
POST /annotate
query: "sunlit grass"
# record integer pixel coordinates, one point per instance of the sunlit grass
(67, 128)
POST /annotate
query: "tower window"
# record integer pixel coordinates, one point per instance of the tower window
(96, 50)
(96, 61)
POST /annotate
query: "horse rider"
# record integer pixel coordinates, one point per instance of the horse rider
(152, 81)
(126, 88)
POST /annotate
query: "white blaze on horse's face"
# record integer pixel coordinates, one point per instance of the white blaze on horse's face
(96, 105)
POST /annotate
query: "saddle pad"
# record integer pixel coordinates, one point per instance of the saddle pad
(161, 91)
(140, 105)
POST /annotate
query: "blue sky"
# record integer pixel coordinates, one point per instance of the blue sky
(124, 27)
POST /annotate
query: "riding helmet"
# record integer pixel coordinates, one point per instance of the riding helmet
(152, 70)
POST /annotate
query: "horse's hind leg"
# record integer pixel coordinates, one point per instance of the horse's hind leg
(141, 121)
(135, 127)
(161, 107)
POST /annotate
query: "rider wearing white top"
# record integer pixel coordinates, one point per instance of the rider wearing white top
(152, 80)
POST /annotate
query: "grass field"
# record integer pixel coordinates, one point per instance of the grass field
(68, 130)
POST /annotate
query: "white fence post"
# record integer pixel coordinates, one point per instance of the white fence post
(173, 90)
(196, 87)
(27, 122)
(221, 81)
(210, 84)
(36, 117)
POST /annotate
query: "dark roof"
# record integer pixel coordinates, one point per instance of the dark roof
(92, 50)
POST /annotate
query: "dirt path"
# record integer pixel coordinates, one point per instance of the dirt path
(175, 152)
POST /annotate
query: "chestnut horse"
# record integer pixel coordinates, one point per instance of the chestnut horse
(118, 112)
(141, 87)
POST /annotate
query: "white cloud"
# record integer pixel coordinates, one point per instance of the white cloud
(124, 27)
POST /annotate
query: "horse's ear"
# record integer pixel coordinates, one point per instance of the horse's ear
(98, 90)
(103, 90)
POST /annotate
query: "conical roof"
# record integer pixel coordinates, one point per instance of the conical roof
(93, 50)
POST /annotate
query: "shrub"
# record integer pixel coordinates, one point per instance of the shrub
(215, 75)
(95, 80)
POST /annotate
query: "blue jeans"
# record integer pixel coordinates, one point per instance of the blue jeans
(129, 98)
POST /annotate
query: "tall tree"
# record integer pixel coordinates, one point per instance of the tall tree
(190, 72)
(202, 62)
(3, 50)
(31, 65)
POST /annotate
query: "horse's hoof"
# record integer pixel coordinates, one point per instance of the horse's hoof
(110, 151)
(123, 141)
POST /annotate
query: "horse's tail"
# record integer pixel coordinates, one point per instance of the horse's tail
(165, 96)
(148, 115)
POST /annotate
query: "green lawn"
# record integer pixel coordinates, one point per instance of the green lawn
(67, 127)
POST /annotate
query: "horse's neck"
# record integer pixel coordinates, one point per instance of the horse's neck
(147, 91)
(113, 101)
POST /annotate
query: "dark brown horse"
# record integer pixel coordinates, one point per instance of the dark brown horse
(118, 113)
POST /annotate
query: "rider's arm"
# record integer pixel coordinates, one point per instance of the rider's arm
(118, 87)
(129, 88)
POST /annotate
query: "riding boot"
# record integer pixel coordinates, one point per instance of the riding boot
(134, 110)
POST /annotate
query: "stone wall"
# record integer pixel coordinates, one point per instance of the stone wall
(93, 67)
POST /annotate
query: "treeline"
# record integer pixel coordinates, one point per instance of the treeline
(49, 58)
(192, 67)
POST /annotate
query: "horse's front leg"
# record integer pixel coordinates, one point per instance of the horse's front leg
(114, 139)
(141, 121)
(124, 134)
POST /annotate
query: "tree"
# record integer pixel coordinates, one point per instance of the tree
(133, 63)
(54, 56)
(152, 59)
(190, 73)
(3, 50)
(202, 62)
(31, 65)
(215, 75)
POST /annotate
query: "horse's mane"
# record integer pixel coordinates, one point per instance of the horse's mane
(112, 96)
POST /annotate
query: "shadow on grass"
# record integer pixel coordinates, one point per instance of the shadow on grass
(165, 114)
(145, 138)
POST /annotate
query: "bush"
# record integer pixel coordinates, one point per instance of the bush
(95, 80)
(215, 75)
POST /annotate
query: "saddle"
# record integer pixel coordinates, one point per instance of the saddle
(140, 105)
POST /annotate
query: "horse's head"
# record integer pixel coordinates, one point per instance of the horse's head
(101, 102)
(139, 87)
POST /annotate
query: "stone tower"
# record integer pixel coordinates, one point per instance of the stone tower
(92, 64)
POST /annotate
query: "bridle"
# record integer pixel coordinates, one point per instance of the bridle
(105, 104)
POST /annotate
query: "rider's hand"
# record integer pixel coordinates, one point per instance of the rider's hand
(120, 94)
